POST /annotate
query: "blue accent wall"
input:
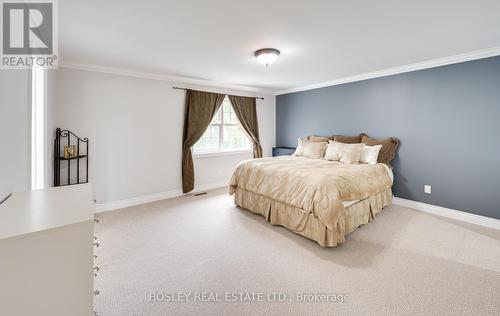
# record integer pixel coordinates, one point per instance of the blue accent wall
(447, 119)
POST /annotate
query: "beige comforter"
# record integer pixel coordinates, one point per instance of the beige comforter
(314, 185)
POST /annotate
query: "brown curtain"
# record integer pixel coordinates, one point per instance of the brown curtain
(246, 111)
(200, 109)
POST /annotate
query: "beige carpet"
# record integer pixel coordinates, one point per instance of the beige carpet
(404, 263)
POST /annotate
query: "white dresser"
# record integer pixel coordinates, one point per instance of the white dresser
(46, 252)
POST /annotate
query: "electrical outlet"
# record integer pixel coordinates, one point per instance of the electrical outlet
(427, 189)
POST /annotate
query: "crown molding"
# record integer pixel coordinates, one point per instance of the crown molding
(169, 78)
(478, 54)
(474, 55)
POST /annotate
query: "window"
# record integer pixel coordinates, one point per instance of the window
(224, 132)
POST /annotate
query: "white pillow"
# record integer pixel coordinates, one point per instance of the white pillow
(346, 153)
(299, 151)
(332, 151)
(309, 149)
(369, 154)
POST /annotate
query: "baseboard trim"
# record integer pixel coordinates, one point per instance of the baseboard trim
(419, 206)
(143, 199)
(449, 213)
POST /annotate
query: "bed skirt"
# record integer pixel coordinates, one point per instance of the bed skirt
(306, 224)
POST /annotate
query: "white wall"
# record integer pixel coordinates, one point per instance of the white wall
(15, 131)
(135, 130)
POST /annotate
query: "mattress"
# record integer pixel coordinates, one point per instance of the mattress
(316, 186)
(349, 203)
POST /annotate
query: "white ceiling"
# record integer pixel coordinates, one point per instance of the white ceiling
(320, 41)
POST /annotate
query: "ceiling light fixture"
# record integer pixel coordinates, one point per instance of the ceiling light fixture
(267, 56)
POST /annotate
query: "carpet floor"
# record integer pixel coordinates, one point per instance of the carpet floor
(204, 256)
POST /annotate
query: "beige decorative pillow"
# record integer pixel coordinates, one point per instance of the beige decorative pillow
(318, 139)
(310, 149)
(348, 139)
(346, 153)
(314, 150)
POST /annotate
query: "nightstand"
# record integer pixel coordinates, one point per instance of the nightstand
(283, 151)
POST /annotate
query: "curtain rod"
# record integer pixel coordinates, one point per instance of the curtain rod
(178, 88)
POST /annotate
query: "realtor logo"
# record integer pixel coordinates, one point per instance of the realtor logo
(29, 36)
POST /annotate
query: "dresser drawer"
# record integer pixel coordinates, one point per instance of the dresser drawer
(283, 151)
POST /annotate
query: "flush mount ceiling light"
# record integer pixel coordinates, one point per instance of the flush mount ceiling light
(267, 56)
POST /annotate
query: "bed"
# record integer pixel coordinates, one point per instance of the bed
(316, 198)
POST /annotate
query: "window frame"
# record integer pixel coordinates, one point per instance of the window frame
(220, 151)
